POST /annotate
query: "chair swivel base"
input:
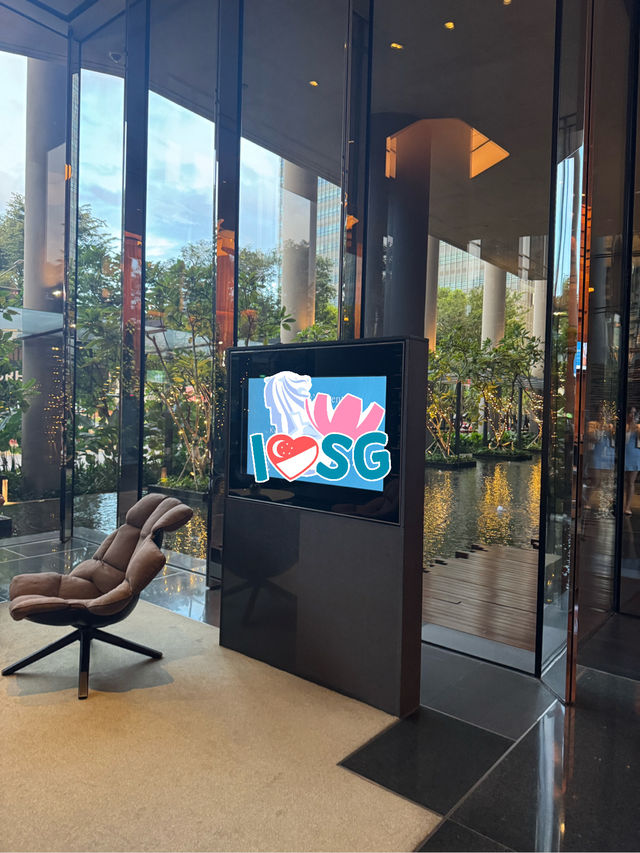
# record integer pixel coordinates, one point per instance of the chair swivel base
(84, 635)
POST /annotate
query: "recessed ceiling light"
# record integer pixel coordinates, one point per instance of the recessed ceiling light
(396, 46)
(449, 25)
(506, 2)
(313, 83)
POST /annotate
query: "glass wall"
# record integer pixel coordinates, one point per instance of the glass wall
(98, 281)
(179, 335)
(408, 195)
(629, 578)
(294, 72)
(33, 103)
(565, 361)
(456, 250)
(604, 289)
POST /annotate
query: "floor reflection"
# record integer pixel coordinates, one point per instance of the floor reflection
(573, 782)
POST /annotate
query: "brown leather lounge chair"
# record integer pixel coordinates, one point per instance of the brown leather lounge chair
(102, 590)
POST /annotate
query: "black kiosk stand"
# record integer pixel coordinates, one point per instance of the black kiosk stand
(322, 555)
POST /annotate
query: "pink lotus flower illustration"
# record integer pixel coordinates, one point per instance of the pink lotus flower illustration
(347, 417)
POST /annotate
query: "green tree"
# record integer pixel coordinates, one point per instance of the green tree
(12, 250)
(15, 394)
(181, 394)
(325, 326)
(260, 314)
(462, 310)
(489, 373)
(98, 354)
(499, 372)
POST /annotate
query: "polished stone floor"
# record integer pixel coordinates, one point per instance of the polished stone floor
(490, 750)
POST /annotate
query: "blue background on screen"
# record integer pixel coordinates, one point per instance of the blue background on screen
(372, 389)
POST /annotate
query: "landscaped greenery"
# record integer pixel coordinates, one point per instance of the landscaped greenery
(490, 374)
(184, 370)
(185, 374)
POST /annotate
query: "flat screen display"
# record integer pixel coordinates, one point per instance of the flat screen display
(318, 426)
(327, 429)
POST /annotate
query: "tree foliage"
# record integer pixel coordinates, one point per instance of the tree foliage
(492, 374)
(325, 325)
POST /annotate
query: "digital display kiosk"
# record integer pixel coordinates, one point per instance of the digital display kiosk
(322, 553)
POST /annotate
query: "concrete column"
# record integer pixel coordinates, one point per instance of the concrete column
(299, 219)
(431, 296)
(397, 225)
(493, 303)
(44, 249)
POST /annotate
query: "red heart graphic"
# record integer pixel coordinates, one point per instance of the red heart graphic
(292, 456)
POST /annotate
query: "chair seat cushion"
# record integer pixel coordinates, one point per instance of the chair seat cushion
(48, 592)
(52, 584)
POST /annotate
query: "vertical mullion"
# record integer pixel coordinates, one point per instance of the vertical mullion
(70, 289)
(133, 255)
(228, 112)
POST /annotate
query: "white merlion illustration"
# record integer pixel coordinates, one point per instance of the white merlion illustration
(285, 396)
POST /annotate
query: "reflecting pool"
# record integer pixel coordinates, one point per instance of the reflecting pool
(493, 503)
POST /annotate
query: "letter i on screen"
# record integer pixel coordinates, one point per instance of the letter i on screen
(259, 456)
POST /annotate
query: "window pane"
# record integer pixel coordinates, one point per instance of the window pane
(456, 250)
(32, 274)
(290, 196)
(98, 286)
(179, 332)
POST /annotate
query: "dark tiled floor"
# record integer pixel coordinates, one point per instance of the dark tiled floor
(615, 647)
(430, 758)
(573, 782)
(492, 697)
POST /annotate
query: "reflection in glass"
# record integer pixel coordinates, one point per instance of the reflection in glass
(32, 283)
(604, 419)
(290, 197)
(629, 587)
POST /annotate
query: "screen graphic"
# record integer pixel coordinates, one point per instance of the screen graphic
(328, 430)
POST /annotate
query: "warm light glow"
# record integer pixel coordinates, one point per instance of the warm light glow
(313, 83)
(484, 153)
(449, 25)
(396, 46)
(506, 2)
(390, 157)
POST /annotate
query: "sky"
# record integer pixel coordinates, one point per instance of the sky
(180, 165)
(13, 73)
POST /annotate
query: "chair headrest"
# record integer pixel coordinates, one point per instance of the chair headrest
(156, 512)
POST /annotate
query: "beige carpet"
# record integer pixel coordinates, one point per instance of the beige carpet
(203, 750)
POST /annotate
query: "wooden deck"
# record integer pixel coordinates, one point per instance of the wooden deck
(491, 593)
